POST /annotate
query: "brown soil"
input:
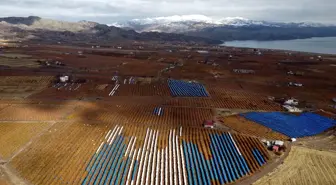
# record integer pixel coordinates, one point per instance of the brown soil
(304, 166)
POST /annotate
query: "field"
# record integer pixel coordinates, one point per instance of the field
(18, 60)
(38, 112)
(221, 103)
(26, 80)
(153, 89)
(2, 106)
(74, 153)
(153, 116)
(126, 113)
(304, 166)
(242, 125)
(14, 135)
(31, 63)
(20, 87)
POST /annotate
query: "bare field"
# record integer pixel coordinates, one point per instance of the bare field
(31, 63)
(59, 155)
(14, 55)
(18, 60)
(2, 106)
(304, 166)
(232, 103)
(143, 90)
(34, 112)
(242, 125)
(19, 87)
(173, 116)
(25, 80)
(3, 178)
(18, 92)
(15, 135)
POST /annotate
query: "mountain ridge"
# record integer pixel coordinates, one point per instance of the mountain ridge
(39, 29)
(230, 28)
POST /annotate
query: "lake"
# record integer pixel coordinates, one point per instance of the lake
(326, 45)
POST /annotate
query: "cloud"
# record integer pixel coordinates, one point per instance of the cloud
(108, 11)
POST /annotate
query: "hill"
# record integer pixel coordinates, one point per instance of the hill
(230, 28)
(47, 30)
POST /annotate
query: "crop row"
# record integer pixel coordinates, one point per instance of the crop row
(153, 89)
(245, 126)
(15, 135)
(34, 112)
(74, 153)
(59, 155)
(144, 114)
(25, 80)
(222, 103)
(180, 162)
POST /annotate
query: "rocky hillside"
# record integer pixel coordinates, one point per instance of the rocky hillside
(47, 30)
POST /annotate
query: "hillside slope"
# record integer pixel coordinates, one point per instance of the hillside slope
(230, 28)
(48, 30)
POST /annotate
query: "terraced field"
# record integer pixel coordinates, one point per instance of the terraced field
(15, 135)
(304, 166)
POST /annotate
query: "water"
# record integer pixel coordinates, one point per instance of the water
(326, 45)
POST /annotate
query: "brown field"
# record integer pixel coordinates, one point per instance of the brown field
(304, 166)
(25, 80)
(56, 150)
(14, 55)
(30, 63)
(18, 92)
(3, 182)
(242, 125)
(123, 113)
(14, 135)
(62, 154)
(37, 112)
(18, 60)
(2, 106)
(82, 118)
(153, 89)
(222, 103)
(20, 87)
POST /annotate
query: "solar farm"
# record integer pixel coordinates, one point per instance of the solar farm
(110, 117)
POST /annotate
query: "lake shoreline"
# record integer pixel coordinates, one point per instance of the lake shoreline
(315, 45)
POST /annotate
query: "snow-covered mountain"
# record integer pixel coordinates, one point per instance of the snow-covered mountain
(190, 23)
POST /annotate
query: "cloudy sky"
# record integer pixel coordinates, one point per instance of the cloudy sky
(109, 11)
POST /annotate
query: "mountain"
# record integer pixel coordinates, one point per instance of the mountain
(47, 30)
(230, 28)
